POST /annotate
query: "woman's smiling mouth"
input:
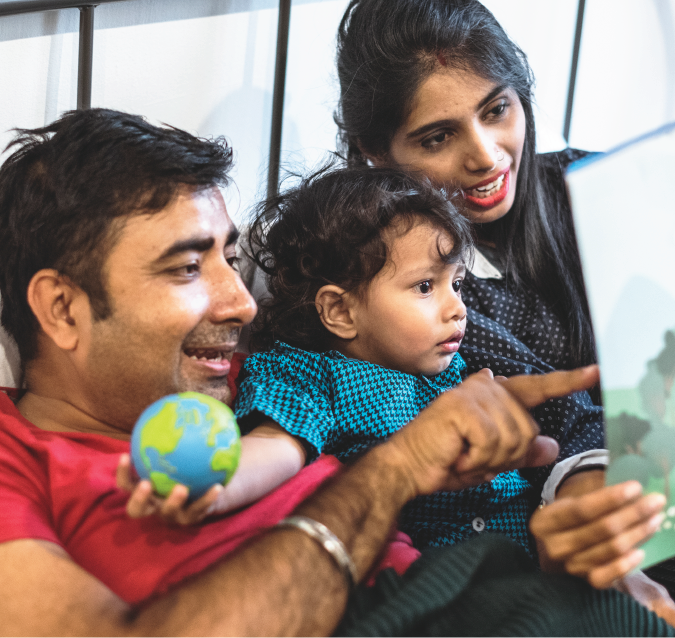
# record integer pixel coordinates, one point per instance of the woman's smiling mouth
(489, 193)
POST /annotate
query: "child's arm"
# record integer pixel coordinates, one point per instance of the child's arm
(269, 456)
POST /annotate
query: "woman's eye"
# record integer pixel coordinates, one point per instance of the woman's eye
(233, 262)
(499, 108)
(424, 287)
(457, 285)
(435, 140)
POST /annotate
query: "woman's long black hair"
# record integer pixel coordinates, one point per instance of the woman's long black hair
(386, 49)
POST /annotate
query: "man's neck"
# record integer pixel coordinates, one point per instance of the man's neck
(60, 415)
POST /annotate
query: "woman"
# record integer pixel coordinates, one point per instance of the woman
(436, 87)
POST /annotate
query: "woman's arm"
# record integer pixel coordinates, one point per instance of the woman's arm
(269, 456)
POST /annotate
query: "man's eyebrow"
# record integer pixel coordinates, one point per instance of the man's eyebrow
(196, 244)
(233, 237)
(425, 128)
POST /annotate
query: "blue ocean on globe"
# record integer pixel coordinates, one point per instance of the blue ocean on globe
(187, 438)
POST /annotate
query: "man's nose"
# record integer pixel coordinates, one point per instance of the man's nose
(230, 299)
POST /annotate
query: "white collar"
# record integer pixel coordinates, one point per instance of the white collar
(483, 268)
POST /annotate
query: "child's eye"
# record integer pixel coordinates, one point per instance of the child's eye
(424, 287)
(457, 285)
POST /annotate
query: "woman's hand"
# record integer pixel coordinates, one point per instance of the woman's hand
(595, 535)
(174, 509)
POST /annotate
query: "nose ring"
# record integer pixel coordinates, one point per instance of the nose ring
(500, 157)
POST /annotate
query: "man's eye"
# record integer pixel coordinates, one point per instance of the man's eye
(188, 270)
(457, 285)
(233, 262)
(424, 287)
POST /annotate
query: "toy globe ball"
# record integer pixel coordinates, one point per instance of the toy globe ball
(187, 438)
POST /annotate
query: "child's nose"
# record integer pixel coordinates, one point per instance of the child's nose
(455, 308)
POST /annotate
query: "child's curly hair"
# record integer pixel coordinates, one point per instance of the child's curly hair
(328, 230)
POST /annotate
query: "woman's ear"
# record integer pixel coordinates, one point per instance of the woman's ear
(335, 310)
(379, 161)
(56, 303)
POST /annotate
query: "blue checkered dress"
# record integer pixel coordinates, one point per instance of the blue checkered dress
(343, 406)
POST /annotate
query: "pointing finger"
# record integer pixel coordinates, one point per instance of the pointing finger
(532, 390)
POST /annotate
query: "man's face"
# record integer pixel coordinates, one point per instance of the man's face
(178, 306)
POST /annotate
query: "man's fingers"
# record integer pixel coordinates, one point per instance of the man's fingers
(543, 451)
(533, 390)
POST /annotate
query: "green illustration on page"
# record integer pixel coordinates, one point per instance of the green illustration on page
(625, 225)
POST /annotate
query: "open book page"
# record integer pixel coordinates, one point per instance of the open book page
(624, 215)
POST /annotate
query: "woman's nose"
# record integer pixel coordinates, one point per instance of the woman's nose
(482, 153)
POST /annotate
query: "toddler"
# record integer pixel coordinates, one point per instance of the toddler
(359, 333)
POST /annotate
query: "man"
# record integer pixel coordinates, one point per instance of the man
(118, 281)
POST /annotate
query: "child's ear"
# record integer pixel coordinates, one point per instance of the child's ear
(334, 306)
(57, 304)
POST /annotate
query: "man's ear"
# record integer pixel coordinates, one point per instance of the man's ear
(57, 303)
(335, 311)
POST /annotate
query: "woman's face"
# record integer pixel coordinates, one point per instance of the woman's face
(464, 132)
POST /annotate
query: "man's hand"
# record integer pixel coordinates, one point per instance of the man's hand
(596, 535)
(174, 509)
(481, 428)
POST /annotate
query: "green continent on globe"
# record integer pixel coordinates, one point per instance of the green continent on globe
(161, 432)
(226, 459)
(162, 483)
(216, 425)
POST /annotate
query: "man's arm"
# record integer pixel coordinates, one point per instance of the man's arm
(284, 582)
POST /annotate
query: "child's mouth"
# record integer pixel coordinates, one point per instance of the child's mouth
(489, 193)
(452, 344)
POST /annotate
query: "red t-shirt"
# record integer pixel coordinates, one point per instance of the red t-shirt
(60, 487)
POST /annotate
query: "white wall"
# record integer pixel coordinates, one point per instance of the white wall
(208, 66)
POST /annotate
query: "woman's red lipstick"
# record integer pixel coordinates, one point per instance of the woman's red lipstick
(495, 197)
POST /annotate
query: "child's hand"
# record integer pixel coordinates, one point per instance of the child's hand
(174, 509)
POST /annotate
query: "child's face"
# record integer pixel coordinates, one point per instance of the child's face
(411, 317)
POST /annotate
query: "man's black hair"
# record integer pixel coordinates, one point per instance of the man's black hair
(329, 230)
(65, 184)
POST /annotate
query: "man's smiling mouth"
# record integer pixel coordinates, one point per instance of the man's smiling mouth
(213, 355)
